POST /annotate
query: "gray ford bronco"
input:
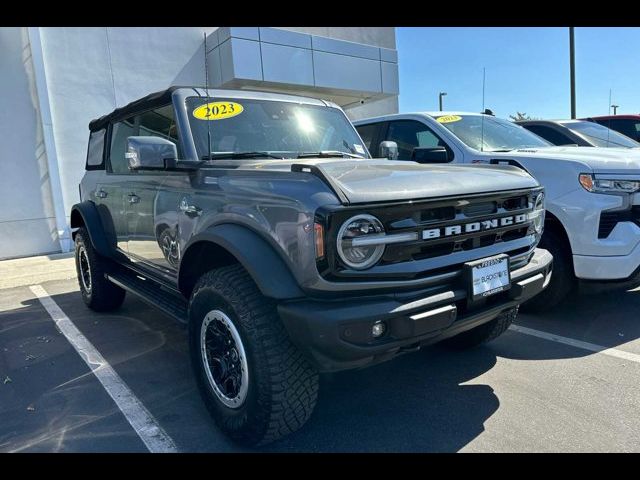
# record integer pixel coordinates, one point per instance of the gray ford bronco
(261, 222)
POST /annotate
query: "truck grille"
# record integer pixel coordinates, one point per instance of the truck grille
(441, 228)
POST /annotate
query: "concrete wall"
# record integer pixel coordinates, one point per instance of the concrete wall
(27, 222)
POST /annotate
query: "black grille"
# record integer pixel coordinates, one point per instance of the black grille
(608, 220)
(420, 216)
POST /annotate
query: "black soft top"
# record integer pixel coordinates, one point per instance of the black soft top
(152, 100)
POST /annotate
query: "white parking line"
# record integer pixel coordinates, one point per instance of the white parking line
(612, 352)
(150, 432)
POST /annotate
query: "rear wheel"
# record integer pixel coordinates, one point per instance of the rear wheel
(256, 384)
(562, 280)
(483, 333)
(98, 293)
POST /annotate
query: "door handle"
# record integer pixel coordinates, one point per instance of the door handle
(190, 210)
(133, 198)
(101, 194)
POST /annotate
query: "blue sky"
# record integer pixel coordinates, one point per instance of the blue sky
(527, 69)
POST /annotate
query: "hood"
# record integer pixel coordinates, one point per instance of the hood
(601, 160)
(382, 180)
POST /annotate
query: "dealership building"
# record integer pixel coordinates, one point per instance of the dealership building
(55, 80)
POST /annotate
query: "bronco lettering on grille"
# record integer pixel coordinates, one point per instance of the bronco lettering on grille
(483, 225)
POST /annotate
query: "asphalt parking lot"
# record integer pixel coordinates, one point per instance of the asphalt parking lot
(565, 381)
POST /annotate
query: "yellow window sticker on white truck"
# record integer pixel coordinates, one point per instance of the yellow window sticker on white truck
(448, 118)
(217, 110)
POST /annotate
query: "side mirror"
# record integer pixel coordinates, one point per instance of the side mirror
(389, 150)
(149, 153)
(430, 155)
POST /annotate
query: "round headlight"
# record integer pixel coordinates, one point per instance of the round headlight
(538, 213)
(356, 256)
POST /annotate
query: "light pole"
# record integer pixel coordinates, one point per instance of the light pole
(572, 71)
(440, 95)
(615, 109)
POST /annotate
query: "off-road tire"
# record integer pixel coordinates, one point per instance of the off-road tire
(282, 384)
(562, 281)
(483, 333)
(102, 296)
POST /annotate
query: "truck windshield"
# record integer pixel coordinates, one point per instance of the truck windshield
(495, 135)
(600, 136)
(247, 128)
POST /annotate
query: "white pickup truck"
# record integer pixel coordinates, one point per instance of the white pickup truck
(592, 224)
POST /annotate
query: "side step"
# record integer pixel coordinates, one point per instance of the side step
(152, 293)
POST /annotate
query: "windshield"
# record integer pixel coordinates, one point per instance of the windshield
(599, 135)
(494, 135)
(271, 129)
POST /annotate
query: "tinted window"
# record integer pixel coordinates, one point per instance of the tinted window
(601, 136)
(152, 123)
(369, 134)
(95, 151)
(550, 134)
(409, 134)
(628, 127)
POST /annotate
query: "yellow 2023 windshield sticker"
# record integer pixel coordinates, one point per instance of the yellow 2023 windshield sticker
(448, 118)
(217, 110)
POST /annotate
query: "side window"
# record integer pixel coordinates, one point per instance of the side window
(159, 122)
(95, 151)
(549, 134)
(625, 127)
(409, 134)
(119, 133)
(369, 135)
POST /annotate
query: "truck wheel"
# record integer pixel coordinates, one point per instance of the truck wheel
(98, 293)
(562, 280)
(256, 384)
(483, 333)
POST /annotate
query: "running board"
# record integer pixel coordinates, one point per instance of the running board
(152, 293)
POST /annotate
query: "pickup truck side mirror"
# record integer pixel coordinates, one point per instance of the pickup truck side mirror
(150, 153)
(389, 150)
(430, 155)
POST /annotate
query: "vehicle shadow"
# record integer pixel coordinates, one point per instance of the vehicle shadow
(418, 402)
(415, 403)
(606, 319)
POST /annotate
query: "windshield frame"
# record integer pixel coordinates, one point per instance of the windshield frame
(542, 143)
(195, 135)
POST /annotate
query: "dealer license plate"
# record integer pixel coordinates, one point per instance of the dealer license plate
(489, 276)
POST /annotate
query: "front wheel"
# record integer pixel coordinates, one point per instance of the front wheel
(256, 384)
(562, 281)
(483, 333)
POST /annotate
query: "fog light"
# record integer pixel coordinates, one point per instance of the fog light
(378, 329)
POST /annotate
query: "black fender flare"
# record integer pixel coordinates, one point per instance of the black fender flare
(267, 268)
(87, 213)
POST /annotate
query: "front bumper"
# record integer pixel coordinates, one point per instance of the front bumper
(336, 333)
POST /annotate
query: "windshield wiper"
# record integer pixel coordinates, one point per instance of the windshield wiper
(328, 154)
(239, 155)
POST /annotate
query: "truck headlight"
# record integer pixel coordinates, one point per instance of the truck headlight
(537, 214)
(600, 185)
(360, 255)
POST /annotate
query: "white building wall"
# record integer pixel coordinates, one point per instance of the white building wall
(27, 219)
